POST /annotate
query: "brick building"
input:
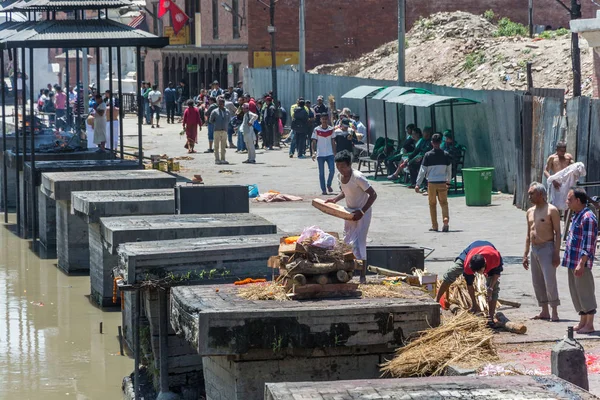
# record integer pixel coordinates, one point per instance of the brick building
(220, 44)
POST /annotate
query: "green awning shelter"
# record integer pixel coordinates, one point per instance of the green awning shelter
(379, 93)
(432, 102)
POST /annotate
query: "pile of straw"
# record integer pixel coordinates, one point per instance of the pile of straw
(263, 291)
(463, 339)
(397, 291)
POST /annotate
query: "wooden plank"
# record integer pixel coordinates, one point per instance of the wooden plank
(332, 209)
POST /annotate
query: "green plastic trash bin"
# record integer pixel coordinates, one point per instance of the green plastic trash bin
(478, 185)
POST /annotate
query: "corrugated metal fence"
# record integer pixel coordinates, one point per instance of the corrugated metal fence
(510, 131)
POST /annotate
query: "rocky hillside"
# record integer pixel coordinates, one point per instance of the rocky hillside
(469, 51)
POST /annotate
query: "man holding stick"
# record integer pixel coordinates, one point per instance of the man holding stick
(481, 257)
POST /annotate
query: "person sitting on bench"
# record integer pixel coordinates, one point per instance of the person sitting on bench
(408, 146)
(413, 162)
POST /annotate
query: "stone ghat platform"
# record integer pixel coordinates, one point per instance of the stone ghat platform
(116, 231)
(91, 206)
(201, 261)
(59, 166)
(246, 343)
(432, 388)
(230, 258)
(70, 234)
(13, 162)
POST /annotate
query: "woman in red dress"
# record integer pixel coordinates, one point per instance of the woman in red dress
(191, 123)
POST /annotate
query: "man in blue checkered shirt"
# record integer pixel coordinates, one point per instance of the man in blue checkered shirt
(579, 257)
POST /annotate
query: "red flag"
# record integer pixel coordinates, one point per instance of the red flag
(163, 7)
(178, 17)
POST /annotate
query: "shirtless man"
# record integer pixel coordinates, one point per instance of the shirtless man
(558, 161)
(543, 236)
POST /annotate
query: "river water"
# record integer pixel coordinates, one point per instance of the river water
(50, 341)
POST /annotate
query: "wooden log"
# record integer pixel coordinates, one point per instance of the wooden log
(342, 276)
(334, 287)
(332, 209)
(503, 322)
(274, 262)
(303, 266)
(299, 280)
(386, 272)
(509, 303)
(321, 279)
(289, 249)
(349, 256)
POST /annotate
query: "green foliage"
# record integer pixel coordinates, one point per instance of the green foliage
(473, 60)
(554, 34)
(508, 28)
(489, 15)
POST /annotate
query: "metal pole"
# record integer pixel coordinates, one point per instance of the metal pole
(110, 102)
(432, 113)
(399, 124)
(98, 69)
(271, 30)
(85, 76)
(302, 49)
(33, 193)
(120, 88)
(385, 123)
(415, 116)
(22, 164)
(136, 345)
(79, 104)
(530, 19)
(4, 171)
(17, 146)
(401, 40)
(138, 63)
(67, 87)
(368, 127)
(575, 53)
(452, 118)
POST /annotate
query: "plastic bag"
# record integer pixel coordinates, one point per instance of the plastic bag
(318, 238)
(253, 191)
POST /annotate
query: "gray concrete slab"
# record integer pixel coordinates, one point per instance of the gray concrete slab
(60, 185)
(221, 323)
(111, 203)
(61, 166)
(209, 259)
(431, 388)
(119, 230)
(72, 240)
(91, 206)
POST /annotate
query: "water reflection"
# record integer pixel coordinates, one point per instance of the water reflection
(50, 344)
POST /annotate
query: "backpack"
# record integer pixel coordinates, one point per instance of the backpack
(300, 119)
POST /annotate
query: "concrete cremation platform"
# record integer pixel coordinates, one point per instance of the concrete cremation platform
(70, 235)
(116, 231)
(91, 206)
(208, 260)
(13, 162)
(245, 344)
(432, 388)
(60, 166)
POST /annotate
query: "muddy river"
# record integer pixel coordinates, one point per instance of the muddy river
(50, 341)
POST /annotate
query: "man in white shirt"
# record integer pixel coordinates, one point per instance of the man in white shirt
(360, 127)
(323, 145)
(154, 98)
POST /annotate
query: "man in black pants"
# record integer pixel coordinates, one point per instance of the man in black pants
(269, 124)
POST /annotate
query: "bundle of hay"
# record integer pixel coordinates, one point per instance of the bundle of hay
(263, 291)
(464, 339)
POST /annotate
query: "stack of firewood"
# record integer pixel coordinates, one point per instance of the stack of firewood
(312, 272)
